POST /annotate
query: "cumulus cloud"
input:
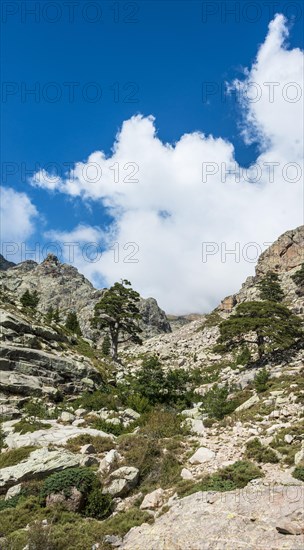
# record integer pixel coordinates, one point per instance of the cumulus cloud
(18, 215)
(189, 222)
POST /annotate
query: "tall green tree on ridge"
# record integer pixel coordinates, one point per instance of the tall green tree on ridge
(270, 288)
(118, 314)
(274, 326)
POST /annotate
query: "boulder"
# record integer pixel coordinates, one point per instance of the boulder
(73, 502)
(248, 404)
(153, 500)
(58, 434)
(40, 463)
(88, 449)
(67, 417)
(13, 491)
(122, 481)
(203, 454)
(110, 458)
(245, 518)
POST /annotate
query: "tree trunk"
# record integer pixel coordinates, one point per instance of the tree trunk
(260, 343)
(114, 343)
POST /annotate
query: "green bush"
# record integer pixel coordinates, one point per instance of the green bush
(298, 473)
(81, 478)
(14, 456)
(97, 400)
(216, 404)
(260, 453)
(98, 506)
(260, 381)
(236, 476)
(156, 386)
(10, 503)
(72, 323)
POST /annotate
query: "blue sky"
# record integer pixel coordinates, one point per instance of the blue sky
(146, 57)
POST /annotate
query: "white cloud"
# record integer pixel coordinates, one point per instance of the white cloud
(161, 203)
(18, 216)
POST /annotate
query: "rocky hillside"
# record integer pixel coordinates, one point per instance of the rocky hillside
(183, 445)
(62, 286)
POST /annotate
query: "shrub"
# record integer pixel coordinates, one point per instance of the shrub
(158, 424)
(232, 477)
(97, 400)
(72, 323)
(14, 456)
(216, 404)
(10, 503)
(138, 402)
(298, 473)
(81, 478)
(152, 383)
(260, 453)
(260, 381)
(98, 505)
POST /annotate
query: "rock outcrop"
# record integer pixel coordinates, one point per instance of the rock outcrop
(254, 518)
(62, 286)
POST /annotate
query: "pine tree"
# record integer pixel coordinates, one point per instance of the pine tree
(56, 316)
(72, 323)
(273, 324)
(118, 312)
(50, 314)
(29, 300)
(270, 288)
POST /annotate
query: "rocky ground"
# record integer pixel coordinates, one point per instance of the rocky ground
(176, 478)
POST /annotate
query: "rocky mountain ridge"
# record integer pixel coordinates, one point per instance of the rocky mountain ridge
(183, 477)
(62, 286)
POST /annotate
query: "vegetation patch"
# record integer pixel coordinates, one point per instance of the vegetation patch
(260, 453)
(14, 456)
(298, 473)
(236, 476)
(29, 426)
(101, 444)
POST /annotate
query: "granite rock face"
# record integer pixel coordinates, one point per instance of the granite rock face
(61, 285)
(216, 521)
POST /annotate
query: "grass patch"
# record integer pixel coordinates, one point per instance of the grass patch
(30, 426)
(101, 444)
(14, 456)
(236, 476)
(260, 453)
